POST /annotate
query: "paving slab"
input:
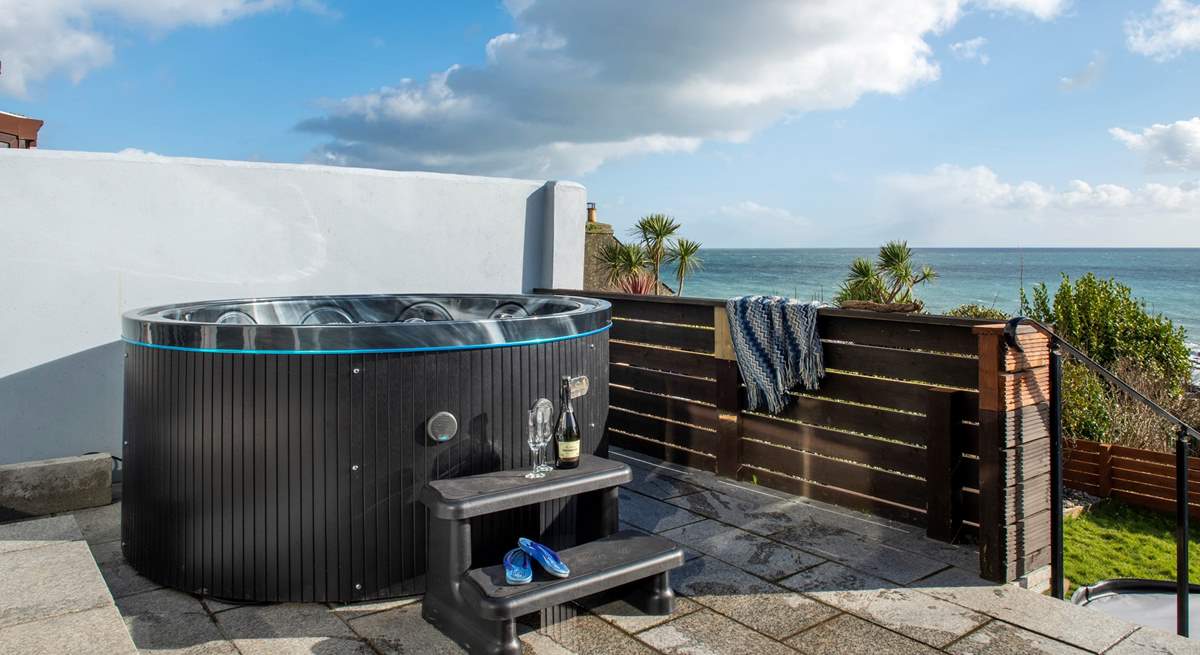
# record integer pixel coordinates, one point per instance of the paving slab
(401, 630)
(90, 632)
(652, 515)
(859, 552)
(39, 583)
(121, 578)
(631, 619)
(288, 628)
(587, 634)
(765, 607)
(656, 484)
(1086, 628)
(171, 622)
(36, 533)
(51, 486)
(100, 524)
(911, 613)
(354, 610)
(963, 556)
(749, 552)
(831, 578)
(706, 632)
(1150, 641)
(760, 516)
(847, 633)
(1000, 638)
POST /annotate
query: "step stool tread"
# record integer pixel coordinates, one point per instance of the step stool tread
(596, 566)
(488, 493)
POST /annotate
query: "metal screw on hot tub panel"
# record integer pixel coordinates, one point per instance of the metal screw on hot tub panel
(592, 346)
(354, 467)
(358, 586)
(356, 371)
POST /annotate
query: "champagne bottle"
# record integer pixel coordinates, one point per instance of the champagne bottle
(566, 435)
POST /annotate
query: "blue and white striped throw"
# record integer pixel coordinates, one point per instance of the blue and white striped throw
(777, 347)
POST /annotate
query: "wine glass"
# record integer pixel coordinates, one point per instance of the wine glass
(545, 436)
(538, 435)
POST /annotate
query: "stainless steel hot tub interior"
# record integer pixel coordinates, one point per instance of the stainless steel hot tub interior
(274, 448)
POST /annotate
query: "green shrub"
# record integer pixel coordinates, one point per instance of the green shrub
(978, 311)
(1104, 320)
(1086, 404)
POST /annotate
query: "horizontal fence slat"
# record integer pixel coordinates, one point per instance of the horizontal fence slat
(833, 495)
(909, 335)
(673, 361)
(894, 394)
(668, 384)
(909, 428)
(664, 334)
(663, 451)
(970, 505)
(1153, 490)
(679, 314)
(675, 409)
(1140, 454)
(684, 436)
(1153, 502)
(844, 475)
(892, 456)
(945, 370)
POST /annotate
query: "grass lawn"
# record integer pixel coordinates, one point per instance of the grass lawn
(1116, 540)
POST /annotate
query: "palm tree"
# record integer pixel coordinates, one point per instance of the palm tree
(622, 261)
(655, 232)
(890, 279)
(685, 254)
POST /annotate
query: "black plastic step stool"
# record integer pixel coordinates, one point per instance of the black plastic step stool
(478, 609)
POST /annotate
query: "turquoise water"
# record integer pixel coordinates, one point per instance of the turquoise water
(1167, 279)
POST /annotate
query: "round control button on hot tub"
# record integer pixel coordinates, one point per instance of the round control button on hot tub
(442, 426)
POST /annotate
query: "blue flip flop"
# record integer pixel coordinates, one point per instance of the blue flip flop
(544, 556)
(517, 569)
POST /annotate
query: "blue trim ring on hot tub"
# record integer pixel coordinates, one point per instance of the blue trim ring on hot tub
(363, 351)
(380, 323)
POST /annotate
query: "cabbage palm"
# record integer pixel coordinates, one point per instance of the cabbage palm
(890, 279)
(685, 254)
(655, 232)
(622, 261)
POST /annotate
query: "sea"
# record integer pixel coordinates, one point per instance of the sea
(1167, 279)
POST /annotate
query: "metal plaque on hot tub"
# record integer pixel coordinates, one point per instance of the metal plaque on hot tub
(579, 386)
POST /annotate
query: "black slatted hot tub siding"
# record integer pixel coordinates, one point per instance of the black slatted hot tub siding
(238, 467)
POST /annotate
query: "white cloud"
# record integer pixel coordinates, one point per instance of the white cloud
(1043, 9)
(579, 82)
(749, 208)
(971, 49)
(1086, 78)
(43, 38)
(1173, 146)
(1172, 28)
(957, 205)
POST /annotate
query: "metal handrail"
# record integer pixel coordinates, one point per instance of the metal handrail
(1183, 441)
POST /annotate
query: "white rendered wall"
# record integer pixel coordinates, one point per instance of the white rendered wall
(84, 237)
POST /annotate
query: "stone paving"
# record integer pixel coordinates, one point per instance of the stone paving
(765, 573)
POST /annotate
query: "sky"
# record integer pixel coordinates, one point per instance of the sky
(788, 123)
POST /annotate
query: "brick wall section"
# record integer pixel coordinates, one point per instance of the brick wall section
(1014, 477)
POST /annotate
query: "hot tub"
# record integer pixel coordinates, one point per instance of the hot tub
(274, 448)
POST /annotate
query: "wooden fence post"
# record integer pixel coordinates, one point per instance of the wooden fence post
(729, 392)
(1014, 490)
(943, 508)
(1105, 471)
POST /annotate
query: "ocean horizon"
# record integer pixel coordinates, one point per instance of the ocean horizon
(1167, 279)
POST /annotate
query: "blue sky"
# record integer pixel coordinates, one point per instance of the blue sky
(987, 122)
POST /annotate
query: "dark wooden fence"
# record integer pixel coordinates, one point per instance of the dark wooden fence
(893, 429)
(1139, 477)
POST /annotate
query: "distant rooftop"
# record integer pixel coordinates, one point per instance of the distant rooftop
(17, 131)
